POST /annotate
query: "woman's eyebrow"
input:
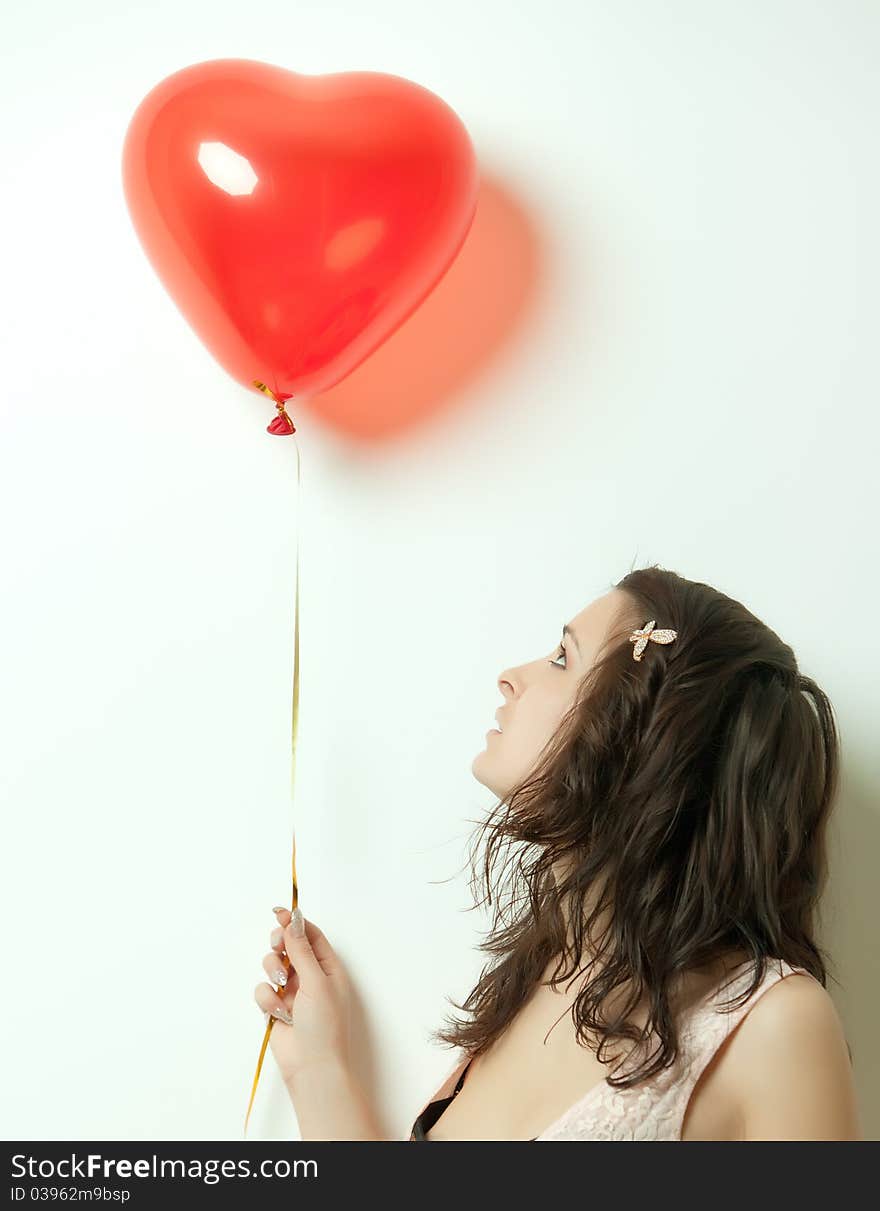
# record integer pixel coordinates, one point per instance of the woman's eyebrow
(566, 630)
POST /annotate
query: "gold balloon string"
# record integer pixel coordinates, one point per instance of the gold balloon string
(283, 424)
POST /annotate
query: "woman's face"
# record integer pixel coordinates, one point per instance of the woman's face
(537, 696)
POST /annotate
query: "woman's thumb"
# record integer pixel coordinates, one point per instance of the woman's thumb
(299, 948)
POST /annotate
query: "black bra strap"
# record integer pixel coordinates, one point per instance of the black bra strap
(432, 1112)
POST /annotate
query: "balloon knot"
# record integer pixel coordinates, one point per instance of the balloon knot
(281, 423)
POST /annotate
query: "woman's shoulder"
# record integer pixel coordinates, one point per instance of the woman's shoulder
(789, 1063)
(793, 1009)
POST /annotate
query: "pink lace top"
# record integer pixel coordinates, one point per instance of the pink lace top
(654, 1109)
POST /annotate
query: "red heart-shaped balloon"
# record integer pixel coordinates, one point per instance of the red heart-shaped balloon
(296, 220)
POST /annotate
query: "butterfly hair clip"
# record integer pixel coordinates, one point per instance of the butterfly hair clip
(641, 637)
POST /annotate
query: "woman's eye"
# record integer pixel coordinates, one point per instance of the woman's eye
(561, 653)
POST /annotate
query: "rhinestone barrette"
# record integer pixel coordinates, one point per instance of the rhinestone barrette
(640, 638)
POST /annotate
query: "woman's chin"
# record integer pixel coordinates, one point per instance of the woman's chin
(477, 765)
(481, 771)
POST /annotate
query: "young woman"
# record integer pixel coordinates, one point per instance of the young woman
(665, 778)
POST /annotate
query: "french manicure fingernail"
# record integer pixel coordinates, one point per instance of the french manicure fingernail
(280, 976)
(296, 925)
(278, 908)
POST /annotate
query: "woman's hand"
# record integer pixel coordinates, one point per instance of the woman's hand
(312, 1004)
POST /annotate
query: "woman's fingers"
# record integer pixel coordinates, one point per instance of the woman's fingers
(280, 972)
(270, 1002)
(277, 969)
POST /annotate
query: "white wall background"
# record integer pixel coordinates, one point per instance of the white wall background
(701, 182)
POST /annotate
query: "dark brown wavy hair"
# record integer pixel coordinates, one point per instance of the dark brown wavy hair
(687, 796)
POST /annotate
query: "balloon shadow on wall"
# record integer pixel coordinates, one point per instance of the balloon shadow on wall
(475, 310)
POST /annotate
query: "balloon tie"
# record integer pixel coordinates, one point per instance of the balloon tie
(281, 424)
